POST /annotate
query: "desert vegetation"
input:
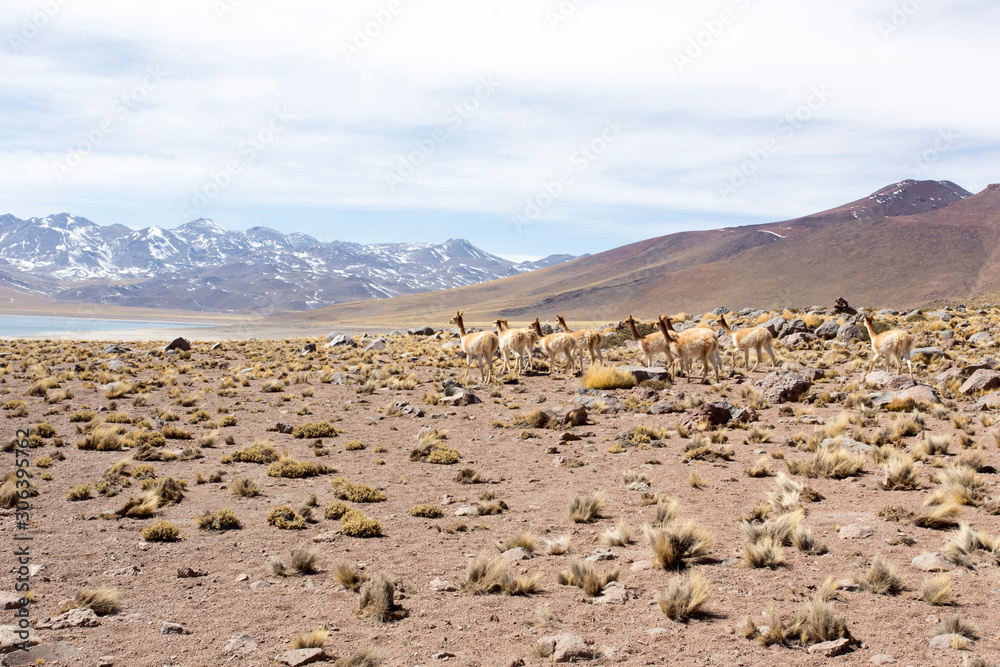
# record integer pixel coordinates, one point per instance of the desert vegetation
(749, 518)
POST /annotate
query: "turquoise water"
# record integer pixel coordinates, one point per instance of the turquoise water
(23, 325)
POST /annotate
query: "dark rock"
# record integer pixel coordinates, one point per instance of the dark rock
(285, 429)
(716, 414)
(798, 340)
(929, 352)
(849, 332)
(643, 373)
(775, 325)
(782, 386)
(169, 628)
(828, 330)
(115, 349)
(181, 344)
(458, 396)
(308, 349)
(190, 573)
(407, 409)
(663, 407)
(339, 340)
(421, 331)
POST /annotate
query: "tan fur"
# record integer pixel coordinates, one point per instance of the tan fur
(516, 342)
(756, 338)
(482, 345)
(556, 344)
(651, 345)
(590, 340)
(892, 344)
(691, 344)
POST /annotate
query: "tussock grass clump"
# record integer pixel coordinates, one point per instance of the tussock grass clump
(284, 517)
(882, 578)
(377, 600)
(937, 590)
(357, 493)
(356, 523)
(103, 439)
(762, 468)
(677, 544)
(764, 552)
(954, 625)
(81, 492)
(245, 488)
(938, 511)
(354, 446)
(684, 596)
(286, 466)
(963, 486)
(303, 561)
(349, 576)
(171, 432)
(161, 531)
(526, 541)
(427, 511)
(102, 601)
(815, 622)
(619, 536)
(831, 462)
(584, 509)
(224, 519)
(431, 448)
(582, 574)
(336, 510)
(558, 545)
(900, 474)
(41, 387)
(468, 476)
(803, 540)
(485, 575)
(608, 377)
(259, 452)
(314, 430)
(314, 639)
(83, 416)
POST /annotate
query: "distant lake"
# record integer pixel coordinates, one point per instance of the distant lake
(24, 325)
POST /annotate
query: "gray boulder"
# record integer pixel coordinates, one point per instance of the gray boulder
(339, 340)
(828, 330)
(849, 332)
(783, 386)
(981, 338)
(981, 380)
(421, 331)
(643, 373)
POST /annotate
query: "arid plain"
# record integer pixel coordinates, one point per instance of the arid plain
(204, 507)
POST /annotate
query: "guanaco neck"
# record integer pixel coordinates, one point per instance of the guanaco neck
(666, 329)
(870, 328)
(538, 328)
(461, 326)
(725, 326)
(499, 325)
(562, 323)
(631, 325)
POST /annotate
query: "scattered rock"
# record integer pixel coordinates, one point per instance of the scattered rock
(601, 555)
(932, 562)
(929, 352)
(455, 396)
(309, 348)
(830, 649)
(74, 618)
(241, 645)
(515, 555)
(828, 330)
(716, 414)
(882, 659)
(949, 641)
(798, 340)
(285, 429)
(849, 332)
(339, 340)
(10, 600)
(118, 366)
(11, 640)
(856, 532)
(782, 386)
(378, 345)
(405, 408)
(181, 344)
(442, 585)
(421, 331)
(302, 656)
(259, 585)
(981, 380)
(981, 338)
(643, 373)
(614, 594)
(169, 628)
(569, 648)
(443, 655)
(328, 536)
(42, 654)
(190, 573)
(610, 403)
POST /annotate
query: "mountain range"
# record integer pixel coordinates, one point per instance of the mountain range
(202, 266)
(904, 245)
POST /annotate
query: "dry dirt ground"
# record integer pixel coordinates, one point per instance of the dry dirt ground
(234, 396)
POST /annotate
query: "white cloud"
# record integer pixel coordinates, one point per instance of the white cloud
(555, 85)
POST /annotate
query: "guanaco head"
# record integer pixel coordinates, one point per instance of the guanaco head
(456, 319)
(562, 323)
(537, 326)
(499, 324)
(665, 327)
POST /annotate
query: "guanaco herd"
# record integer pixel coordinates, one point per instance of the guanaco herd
(685, 347)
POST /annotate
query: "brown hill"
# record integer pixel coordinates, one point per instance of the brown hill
(904, 245)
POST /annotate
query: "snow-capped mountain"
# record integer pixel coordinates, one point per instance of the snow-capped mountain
(203, 266)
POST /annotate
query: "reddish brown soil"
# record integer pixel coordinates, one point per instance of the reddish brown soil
(78, 549)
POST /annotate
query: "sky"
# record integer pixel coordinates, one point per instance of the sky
(527, 127)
